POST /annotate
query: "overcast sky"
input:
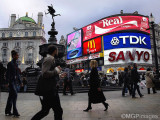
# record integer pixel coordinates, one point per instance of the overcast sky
(75, 13)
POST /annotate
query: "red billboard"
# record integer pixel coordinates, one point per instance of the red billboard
(93, 45)
(117, 23)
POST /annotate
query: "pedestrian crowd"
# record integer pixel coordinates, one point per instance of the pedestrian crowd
(131, 81)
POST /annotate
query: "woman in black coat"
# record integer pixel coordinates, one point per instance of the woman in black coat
(95, 93)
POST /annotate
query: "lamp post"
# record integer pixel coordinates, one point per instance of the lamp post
(88, 59)
(151, 20)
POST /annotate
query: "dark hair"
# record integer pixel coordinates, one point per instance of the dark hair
(13, 53)
(51, 49)
(134, 65)
(148, 69)
(125, 69)
(129, 67)
(68, 66)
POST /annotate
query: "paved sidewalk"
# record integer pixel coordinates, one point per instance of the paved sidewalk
(28, 104)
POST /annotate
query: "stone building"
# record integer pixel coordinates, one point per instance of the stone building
(157, 37)
(23, 35)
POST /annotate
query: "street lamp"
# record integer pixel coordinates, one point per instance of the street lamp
(151, 20)
(88, 58)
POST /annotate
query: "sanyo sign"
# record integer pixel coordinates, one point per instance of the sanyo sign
(118, 48)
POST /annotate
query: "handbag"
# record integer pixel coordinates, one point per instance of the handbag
(45, 86)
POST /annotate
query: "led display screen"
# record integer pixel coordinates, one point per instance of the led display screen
(74, 45)
(113, 24)
(93, 45)
(126, 40)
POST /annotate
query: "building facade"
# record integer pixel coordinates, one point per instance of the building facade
(157, 38)
(23, 35)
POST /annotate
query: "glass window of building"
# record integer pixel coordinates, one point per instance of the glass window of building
(10, 34)
(30, 54)
(4, 60)
(4, 54)
(18, 51)
(26, 34)
(30, 43)
(5, 44)
(17, 44)
(34, 33)
(3, 35)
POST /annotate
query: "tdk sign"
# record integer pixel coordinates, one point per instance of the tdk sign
(134, 39)
(127, 40)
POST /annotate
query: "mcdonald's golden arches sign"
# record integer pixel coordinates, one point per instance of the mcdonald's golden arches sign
(94, 46)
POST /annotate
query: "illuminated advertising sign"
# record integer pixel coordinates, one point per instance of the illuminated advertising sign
(93, 45)
(74, 53)
(117, 23)
(127, 55)
(122, 48)
(126, 40)
(74, 45)
(79, 70)
(74, 40)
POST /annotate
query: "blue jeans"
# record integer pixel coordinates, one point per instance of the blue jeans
(12, 99)
(25, 88)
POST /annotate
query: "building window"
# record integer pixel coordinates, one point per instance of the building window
(30, 57)
(3, 35)
(4, 53)
(17, 44)
(18, 51)
(10, 34)
(26, 34)
(34, 33)
(30, 43)
(5, 44)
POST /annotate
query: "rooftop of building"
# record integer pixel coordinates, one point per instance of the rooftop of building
(26, 19)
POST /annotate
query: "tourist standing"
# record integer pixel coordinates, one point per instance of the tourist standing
(149, 81)
(24, 84)
(67, 81)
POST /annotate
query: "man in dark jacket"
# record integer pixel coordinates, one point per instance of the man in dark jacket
(12, 79)
(50, 99)
(126, 82)
(135, 78)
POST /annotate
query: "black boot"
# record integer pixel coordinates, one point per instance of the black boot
(106, 106)
(148, 90)
(16, 114)
(86, 110)
(8, 113)
(154, 90)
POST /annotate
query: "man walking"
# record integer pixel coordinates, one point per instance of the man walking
(12, 79)
(135, 78)
(50, 99)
